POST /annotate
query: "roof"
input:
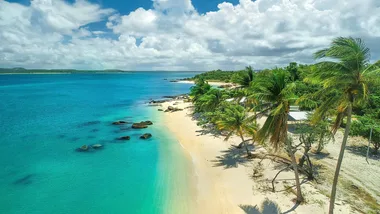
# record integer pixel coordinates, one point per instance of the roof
(298, 115)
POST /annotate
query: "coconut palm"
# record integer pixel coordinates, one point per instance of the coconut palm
(346, 79)
(209, 101)
(245, 77)
(200, 88)
(236, 120)
(274, 89)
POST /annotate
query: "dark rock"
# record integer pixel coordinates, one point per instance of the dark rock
(90, 123)
(83, 148)
(146, 136)
(120, 122)
(173, 81)
(124, 138)
(97, 146)
(160, 109)
(139, 126)
(170, 97)
(171, 108)
(148, 122)
(27, 179)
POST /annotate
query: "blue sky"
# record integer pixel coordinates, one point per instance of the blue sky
(178, 34)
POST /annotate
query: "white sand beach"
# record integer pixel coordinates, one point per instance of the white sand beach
(224, 177)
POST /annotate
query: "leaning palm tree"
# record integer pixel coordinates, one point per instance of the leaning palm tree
(209, 101)
(346, 79)
(200, 88)
(245, 77)
(235, 119)
(274, 89)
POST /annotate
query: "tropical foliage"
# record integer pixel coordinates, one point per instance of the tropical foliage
(344, 86)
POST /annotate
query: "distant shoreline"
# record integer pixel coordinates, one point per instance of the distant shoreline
(45, 73)
(209, 82)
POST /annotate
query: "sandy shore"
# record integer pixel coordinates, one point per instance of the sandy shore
(224, 181)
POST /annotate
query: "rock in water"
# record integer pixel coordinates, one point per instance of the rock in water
(146, 136)
(97, 146)
(120, 122)
(148, 122)
(83, 148)
(139, 126)
(160, 109)
(125, 138)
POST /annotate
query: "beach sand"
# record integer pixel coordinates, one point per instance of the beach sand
(223, 176)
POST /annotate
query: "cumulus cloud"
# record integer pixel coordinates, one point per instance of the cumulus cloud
(172, 35)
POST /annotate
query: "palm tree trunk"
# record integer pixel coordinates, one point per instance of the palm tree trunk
(320, 143)
(245, 143)
(296, 175)
(340, 159)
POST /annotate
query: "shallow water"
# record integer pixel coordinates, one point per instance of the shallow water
(44, 118)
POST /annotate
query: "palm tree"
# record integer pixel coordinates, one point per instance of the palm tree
(236, 120)
(245, 77)
(346, 79)
(200, 88)
(209, 101)
(274, 89)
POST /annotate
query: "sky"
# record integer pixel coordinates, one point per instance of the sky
(176, 35)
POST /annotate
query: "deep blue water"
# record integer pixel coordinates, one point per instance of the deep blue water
(44, 118)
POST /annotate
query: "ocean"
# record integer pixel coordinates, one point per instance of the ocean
(45, 118)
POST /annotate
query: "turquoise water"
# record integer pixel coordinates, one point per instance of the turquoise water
(44, 118)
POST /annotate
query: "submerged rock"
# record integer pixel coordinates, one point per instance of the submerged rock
(160, 109)
(124, 138)
(148, 122)
(120, 122)
(146, 136)
(97, 146)
(83, 148)
(139, 126)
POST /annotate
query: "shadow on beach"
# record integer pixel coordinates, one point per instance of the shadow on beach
(267, 207)
(231, 158)
(362, 151)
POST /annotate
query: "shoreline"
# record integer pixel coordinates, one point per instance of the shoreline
(212, 83)
(223, 177)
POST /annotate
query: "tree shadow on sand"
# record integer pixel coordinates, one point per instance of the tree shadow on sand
(267, 207)
(231, 158)
(362, 151)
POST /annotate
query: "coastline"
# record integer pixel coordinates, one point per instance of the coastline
(223, 178)
(212, 83)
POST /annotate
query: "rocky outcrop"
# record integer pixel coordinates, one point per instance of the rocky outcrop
(160, 109)
(120, 122)
(139, 126)
(97, 146)
(124, 138)
(148, 122)
(83, 148)
(173, 109)
(146, 136)
(142, 124)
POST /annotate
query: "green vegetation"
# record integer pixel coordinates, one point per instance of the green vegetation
(334, 91)
(217, 75)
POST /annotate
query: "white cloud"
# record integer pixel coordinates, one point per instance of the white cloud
(174, 36)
